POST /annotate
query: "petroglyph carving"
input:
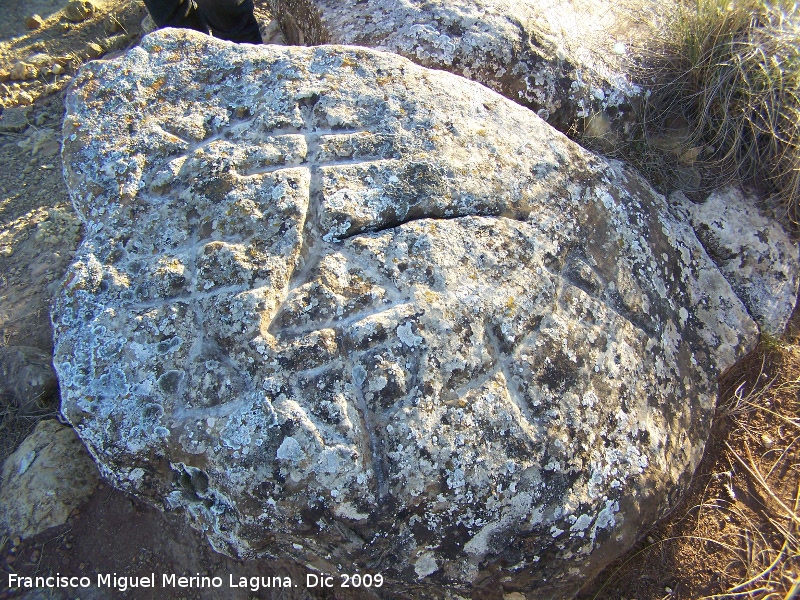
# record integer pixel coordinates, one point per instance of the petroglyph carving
(342, 308)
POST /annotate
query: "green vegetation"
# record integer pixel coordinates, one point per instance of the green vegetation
(729, 73)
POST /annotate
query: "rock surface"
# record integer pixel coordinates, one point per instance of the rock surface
(754, 253)
(561, 59)
(34, 22)
(14, 120)
(27, 379)
(48, 477)
(341, 308)
(79, 10)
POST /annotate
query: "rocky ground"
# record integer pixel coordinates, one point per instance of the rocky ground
(701, 550)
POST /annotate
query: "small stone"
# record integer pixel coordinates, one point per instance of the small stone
(93, 50)
(767, 441)
(47, 478)
(40, 60)
(27, 378)
(24, 98)
(46, 143)
(34, 22)
(22, 71)
(14, 120)
(79, 10)
(5, 75)
(57, 69)
(116, 42)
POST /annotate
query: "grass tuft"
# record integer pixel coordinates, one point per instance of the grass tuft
(728, 73)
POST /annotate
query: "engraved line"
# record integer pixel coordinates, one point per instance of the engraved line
(475, 384)
(514, 393)
(290, 334)
(311, 164)
(560, 293)
(311, 134)
(368, 427)
(186, 298)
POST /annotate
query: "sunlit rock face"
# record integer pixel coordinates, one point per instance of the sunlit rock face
(564, 60)
(345, 309)
(753, 251)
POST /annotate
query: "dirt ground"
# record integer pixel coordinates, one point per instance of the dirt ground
(729, 529)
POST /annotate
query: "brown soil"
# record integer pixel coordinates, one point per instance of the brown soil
(727, 529)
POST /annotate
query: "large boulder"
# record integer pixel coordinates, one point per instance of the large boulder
(341, 308)
(567, 61)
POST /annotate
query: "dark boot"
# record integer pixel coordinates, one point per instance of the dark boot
(224, 19)
(231, 20)
(175, 13)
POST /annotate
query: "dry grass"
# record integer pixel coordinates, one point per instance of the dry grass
(763, 451)
(724, 77)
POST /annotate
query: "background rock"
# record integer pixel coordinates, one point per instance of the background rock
(348, 310)
(563, 60)
(47, 478)
(79, 10)
(27, 379)
(753, 251)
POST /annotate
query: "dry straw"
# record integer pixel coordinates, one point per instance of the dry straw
(731, 71)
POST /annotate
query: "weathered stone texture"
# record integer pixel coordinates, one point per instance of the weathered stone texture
(345, 309)
(47, 478)
(754, 253)
(561, 59)
(28, 382)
